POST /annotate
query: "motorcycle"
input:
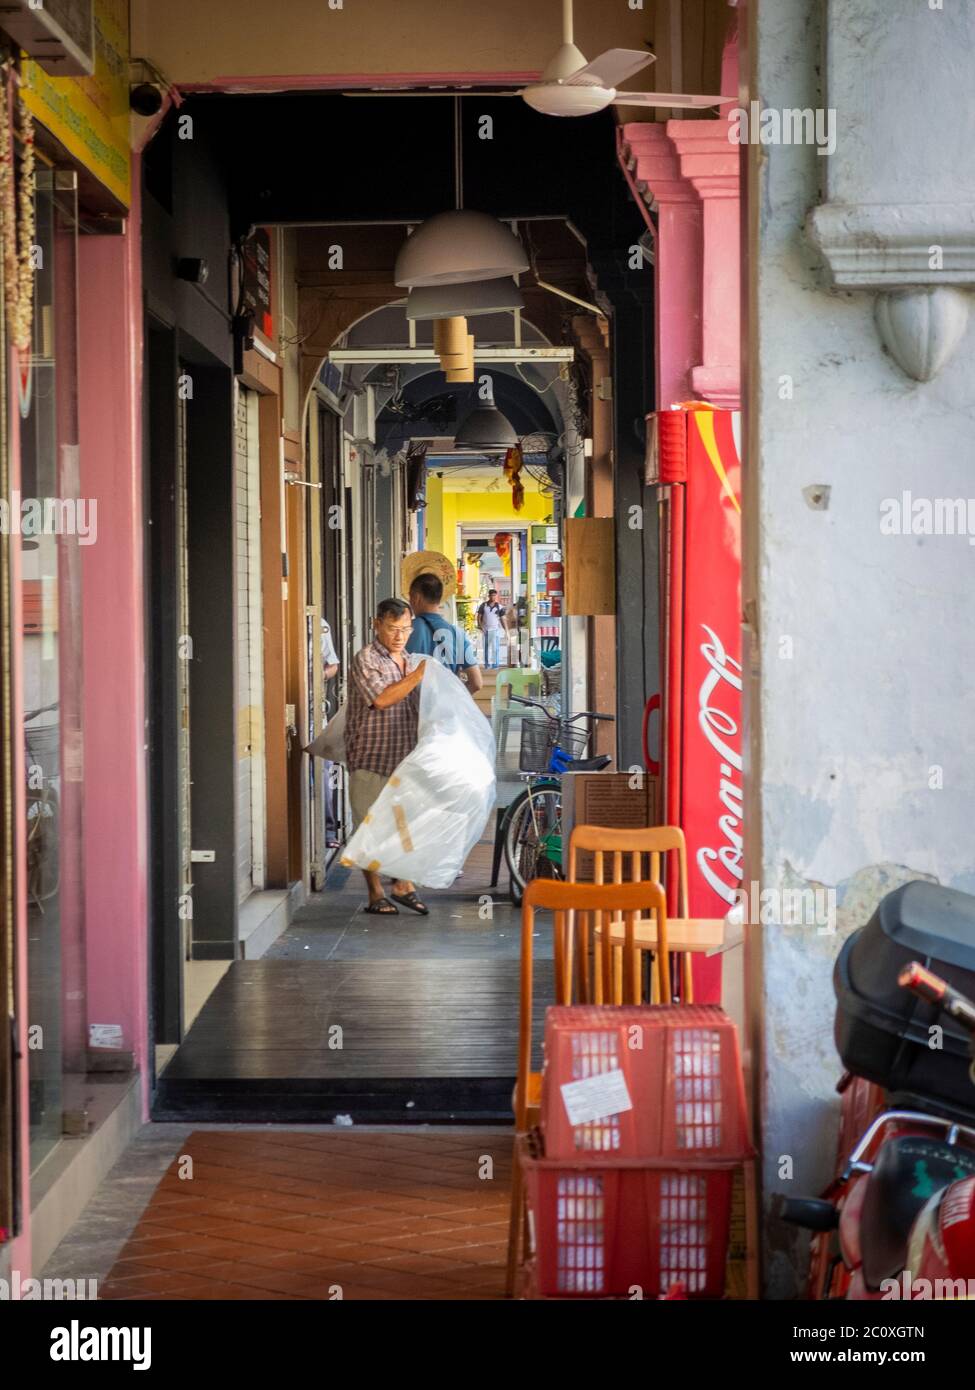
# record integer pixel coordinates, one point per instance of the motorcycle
(898, 1221)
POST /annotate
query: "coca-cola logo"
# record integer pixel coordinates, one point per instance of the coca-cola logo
(720, 866)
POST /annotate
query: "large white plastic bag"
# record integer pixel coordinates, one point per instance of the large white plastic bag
(434, 808)
(330, 743)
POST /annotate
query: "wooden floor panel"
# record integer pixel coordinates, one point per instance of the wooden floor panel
(275, 1019)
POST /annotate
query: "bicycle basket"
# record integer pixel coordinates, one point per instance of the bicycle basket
(573, 739)
(537, 742)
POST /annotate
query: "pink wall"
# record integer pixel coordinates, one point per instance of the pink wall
(115, 851)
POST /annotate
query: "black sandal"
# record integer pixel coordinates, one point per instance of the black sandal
(382, 907)
(411, 901)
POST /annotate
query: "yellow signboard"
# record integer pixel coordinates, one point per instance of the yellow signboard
(90, 115)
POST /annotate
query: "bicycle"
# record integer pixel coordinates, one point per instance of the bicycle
(41, 746)
(533, 822)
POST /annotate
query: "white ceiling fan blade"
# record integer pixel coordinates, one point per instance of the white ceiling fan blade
(439, 92)
(667, 99)
(611, 68)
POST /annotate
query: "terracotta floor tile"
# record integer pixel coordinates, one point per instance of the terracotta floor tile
(292, 1215)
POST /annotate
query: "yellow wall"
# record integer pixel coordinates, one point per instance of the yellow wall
(463, 508)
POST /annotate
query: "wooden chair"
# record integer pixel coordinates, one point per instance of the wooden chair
(570, 903)
(683, 934)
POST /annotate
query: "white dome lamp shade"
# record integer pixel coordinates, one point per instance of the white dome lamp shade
(464, 300)
(453, 248)
(485, 427)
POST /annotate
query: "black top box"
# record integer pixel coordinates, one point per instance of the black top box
(883, 1033)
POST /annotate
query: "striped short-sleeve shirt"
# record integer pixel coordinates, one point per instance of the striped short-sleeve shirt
(377, 740)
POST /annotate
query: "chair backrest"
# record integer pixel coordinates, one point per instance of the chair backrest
(568, 901)
(608, 845)
(518, 682)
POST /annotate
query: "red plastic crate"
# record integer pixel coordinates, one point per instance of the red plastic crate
(681, 1070)
(621, 1229)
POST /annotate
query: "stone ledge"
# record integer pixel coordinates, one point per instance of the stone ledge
(888, 246)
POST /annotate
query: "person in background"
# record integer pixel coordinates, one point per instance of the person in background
(433, 635)
(489, 617)
(330, 669)
(382, 717)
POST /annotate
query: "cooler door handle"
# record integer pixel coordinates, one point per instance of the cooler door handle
(652, 766)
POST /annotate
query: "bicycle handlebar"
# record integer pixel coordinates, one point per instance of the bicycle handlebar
(561, 719)
(44, 709)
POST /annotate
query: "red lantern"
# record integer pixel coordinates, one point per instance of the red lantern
(502, 544)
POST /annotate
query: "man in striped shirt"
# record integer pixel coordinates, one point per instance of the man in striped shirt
(381, 729)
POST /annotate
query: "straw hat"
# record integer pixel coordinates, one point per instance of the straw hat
(428, 562)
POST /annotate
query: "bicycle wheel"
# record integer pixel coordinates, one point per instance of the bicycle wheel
(43, 845)
(533, 818)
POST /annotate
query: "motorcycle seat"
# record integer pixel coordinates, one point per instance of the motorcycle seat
(907, 1173)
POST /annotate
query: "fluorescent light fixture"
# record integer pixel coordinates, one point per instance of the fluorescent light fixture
(454, 247)
(465, 299)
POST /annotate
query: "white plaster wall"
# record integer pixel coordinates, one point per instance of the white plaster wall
(878, 689)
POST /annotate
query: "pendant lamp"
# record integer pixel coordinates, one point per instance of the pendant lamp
(485, 427)
(458, 247)
(466, 299)
(454, 247)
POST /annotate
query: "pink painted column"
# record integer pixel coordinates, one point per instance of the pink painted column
(679, 265)
(709, 162)
(115, 853)
(688, 172)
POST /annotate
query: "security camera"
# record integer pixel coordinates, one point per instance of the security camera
(145, 99)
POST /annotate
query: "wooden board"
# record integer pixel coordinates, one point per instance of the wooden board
(590, 566)
(607, 798)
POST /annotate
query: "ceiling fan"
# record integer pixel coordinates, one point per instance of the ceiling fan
(572, 86)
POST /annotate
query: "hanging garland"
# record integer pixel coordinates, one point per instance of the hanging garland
(17, 223)
(513, 464)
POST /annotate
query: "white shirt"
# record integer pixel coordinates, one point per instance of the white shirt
(330, 656)
(492, 616)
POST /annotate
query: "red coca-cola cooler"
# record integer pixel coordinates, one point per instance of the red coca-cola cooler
(694, 458)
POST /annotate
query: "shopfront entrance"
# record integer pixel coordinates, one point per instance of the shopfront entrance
(332, 1010)
(51, 675)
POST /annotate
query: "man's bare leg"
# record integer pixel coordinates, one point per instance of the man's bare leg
(374, 885)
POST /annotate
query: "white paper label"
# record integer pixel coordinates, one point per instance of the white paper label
(105, 1035)
(596, 1098)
